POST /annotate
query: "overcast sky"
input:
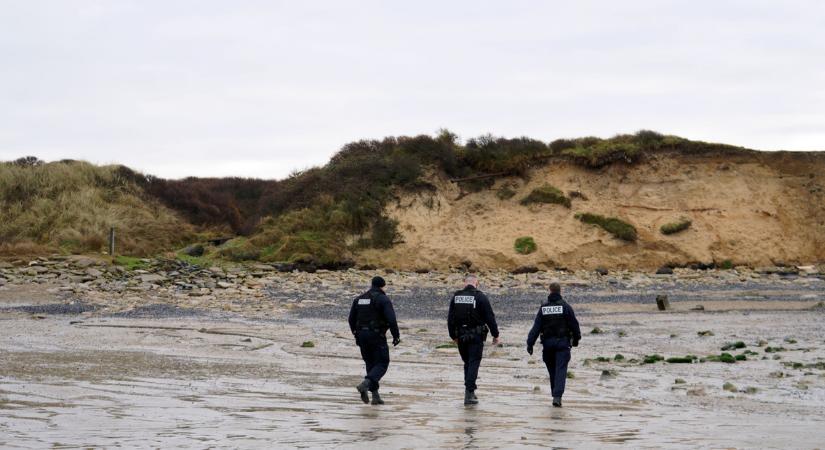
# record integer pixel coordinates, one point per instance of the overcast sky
(260, 88)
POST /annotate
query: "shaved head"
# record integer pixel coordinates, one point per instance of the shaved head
(471, 280)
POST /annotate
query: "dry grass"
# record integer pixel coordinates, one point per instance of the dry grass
(71, 206)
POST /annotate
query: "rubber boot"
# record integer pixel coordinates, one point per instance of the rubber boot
(376, 399)
(557, 402)
(470, 398)
(363, 388)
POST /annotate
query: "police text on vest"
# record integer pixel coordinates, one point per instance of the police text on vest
(548, 310)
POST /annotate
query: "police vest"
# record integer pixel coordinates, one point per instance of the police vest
(553, 323)
(465, 311)
(367, 314)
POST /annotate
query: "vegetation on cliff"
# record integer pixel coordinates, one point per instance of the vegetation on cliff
(321, 215)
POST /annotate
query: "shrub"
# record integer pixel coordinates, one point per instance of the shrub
(652, 359)
(681, 359)
(546, 194)
(525, 245)
(505, 192)
(675, 227)
(725, 265)
(612, 225)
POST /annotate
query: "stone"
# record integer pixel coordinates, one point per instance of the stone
(601, 271)
(194, 250)
(662, 302)
(224, 285)
(698, 308)
(36, 270)
(151, 278)
(664, 270)
(81, 261)
(525, 269)
(92, 272)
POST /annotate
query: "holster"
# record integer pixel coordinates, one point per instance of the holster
(466, 334)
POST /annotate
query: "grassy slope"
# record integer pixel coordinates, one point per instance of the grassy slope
(69, 206)
(324, 215)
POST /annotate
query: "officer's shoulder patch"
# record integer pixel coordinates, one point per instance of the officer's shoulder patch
(364, 301)
(548, 310)
(464, 300)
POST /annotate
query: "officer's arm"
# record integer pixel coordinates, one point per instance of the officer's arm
(451, 322)
(533, 335)
(352, 316)
(389, 314)
(489, 316)
(573, 323)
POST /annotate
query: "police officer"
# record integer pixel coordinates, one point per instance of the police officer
(559, 329)
(369, 318)
(469, 319)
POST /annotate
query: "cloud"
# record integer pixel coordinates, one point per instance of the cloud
(259, 88)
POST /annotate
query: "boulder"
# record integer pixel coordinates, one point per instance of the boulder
(93, 272)
(194, 250)
(525, 269)
(662, 302)
(664, 270)
(151, 278)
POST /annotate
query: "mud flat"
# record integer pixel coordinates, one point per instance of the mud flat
(164, 376)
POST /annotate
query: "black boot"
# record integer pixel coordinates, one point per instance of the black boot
(470, 398)
(557, 402)
(363, 388)
(376, 399)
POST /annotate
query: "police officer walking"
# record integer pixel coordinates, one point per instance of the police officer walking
(559, 329)
(469, 319)
(370, 317)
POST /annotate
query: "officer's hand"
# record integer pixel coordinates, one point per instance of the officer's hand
(455, 341)
(496, 341)
(529, 349)
(575, 342)
(396, 341)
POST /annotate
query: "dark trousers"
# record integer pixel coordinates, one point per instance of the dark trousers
(471, 353)
(376, 355)
(556, 355)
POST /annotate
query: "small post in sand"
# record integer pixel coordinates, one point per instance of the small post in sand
(112, 242)
(662, 302)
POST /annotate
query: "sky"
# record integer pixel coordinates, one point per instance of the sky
(263, 88)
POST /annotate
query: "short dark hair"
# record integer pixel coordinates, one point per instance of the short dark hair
(555, 288)
(378, 282)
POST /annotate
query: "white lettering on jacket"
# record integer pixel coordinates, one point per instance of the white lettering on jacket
(465, 300)
(548, 310)
(364, 301)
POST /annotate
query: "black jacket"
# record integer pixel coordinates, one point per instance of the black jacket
(383, 305)
(485, 312)
(569, 316)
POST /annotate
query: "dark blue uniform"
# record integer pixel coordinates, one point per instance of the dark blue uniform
(370, 317)
(468, 320)
(559, 329)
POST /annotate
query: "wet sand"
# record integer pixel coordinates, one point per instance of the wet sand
(237, 382)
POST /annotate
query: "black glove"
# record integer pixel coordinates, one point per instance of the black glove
(529, 349)
(575, 342)
(395, 341)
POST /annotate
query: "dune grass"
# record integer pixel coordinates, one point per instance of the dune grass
(70, 206)
(612, 225)
(546, 194)
(525, 245)
(675, 227)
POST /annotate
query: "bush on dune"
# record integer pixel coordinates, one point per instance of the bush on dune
(612, 225)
